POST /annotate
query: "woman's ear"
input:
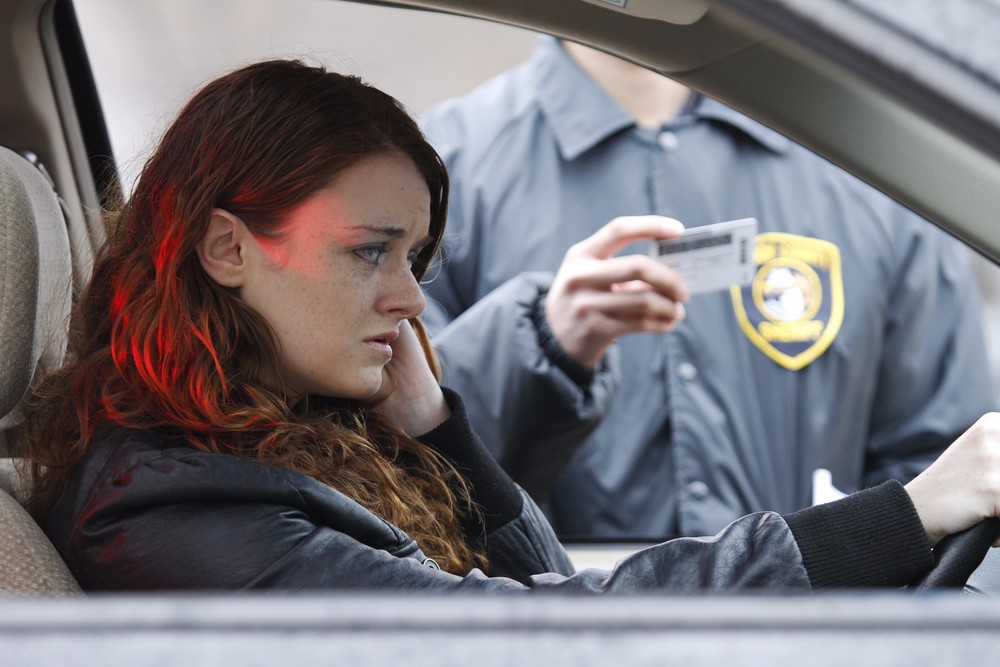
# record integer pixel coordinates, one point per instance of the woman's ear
(221, 252)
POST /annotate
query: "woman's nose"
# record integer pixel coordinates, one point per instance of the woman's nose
(404, 299)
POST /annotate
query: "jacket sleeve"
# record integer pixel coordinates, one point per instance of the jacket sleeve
(180, 519)
(518, 540)
(872, 538)
(934, 380)
(531, 403)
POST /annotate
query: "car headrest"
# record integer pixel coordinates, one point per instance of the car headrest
(35, 279)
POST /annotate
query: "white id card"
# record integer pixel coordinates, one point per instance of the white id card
(711, 257)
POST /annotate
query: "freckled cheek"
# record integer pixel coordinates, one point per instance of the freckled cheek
(333, 308)
(293, 309)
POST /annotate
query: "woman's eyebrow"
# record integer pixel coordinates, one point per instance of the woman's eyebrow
(392, 232)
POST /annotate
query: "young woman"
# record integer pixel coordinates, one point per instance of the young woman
(250, 401)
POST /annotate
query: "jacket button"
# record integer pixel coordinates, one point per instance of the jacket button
(687, 371)
(697, 489)
(668, 142)
(431, 563)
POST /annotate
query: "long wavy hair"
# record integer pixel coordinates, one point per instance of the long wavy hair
(155, 342)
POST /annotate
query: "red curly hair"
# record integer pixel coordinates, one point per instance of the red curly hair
(155, 342)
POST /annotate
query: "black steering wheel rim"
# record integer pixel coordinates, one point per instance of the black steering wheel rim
(957, 556)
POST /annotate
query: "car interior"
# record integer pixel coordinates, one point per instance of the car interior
(34, 303)
(837, 77)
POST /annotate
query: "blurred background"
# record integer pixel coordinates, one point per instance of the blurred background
(144, 75)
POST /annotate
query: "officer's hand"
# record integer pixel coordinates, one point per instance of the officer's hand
(596, 297)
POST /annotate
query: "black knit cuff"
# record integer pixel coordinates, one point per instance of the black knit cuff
(497, 496)
(559, 358)
(868, 539)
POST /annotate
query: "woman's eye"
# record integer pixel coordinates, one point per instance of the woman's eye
(371, 254)
(417, 264)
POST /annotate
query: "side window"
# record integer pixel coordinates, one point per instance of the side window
(144, 74)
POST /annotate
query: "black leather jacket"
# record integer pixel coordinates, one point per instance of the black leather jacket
(145, 511)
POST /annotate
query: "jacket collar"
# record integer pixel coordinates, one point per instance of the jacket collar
(582, 115)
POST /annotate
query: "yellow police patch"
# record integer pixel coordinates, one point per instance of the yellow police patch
(793, 308)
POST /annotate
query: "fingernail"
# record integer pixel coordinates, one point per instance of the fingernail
(673, 226)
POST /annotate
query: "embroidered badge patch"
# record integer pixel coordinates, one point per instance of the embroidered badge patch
(793, 308)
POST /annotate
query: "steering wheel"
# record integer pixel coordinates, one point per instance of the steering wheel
(957, 557)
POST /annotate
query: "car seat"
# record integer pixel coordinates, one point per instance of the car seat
(35, 299)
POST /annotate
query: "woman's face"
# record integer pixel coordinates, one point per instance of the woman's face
(337, 283)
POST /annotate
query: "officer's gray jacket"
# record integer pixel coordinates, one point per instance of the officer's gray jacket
(145, 510)
(857, 348)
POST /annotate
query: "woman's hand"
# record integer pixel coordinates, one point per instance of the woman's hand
(415, 401)
(962, 487)
(596, 298)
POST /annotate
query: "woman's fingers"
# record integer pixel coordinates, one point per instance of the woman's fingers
(410, 395)
(962, 487)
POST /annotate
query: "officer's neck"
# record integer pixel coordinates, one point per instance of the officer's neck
(650, 98)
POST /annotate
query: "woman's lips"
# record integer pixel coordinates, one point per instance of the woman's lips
(382, 343)
(381, 347)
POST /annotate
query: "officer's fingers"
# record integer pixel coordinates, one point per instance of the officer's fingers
(586, 334)
(621, 231)
(613, 328)
(630, 272)
(634, 305)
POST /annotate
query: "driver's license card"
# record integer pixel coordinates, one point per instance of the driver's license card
(711, 257)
